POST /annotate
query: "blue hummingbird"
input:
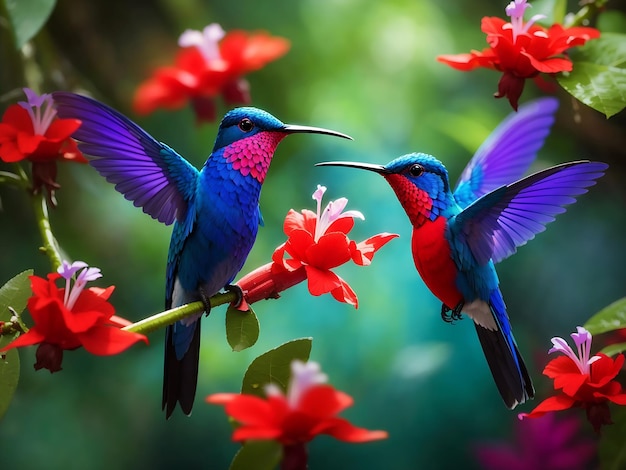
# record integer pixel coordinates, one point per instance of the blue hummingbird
(215, 211)
(458, 235)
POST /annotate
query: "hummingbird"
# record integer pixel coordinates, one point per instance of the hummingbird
(459, 234)
(215, 211)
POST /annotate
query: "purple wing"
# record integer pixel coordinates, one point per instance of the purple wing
(496, 224)
(145, 171)
(508, 152)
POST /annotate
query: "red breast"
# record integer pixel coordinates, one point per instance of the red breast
(431, 253)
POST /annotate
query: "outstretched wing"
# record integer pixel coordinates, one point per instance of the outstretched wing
(508, 152)
(145, 171)
(497, 223)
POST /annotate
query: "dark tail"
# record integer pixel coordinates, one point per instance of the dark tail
(180, 376)
(507, 366)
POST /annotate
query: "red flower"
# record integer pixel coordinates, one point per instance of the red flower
(31, 131)
(318, 242)
(204, 69)
(521, 50)
(584, 382)
(309, 408)
(68, 318)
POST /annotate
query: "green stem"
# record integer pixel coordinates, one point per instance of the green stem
(168, 317)
(585, 14)
(50, 246)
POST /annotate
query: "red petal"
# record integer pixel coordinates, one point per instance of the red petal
(618, 399)
(323, 401)
(191, 60)
(278, 257)
(362, 253)
(88, 310)
(107, 340)
(571, 383)
(61, 129)
(321, 281)
(18, 118)
(247, 409)
(45, 287)
(245, 53)
(263, 48)
(304, 220)
(560, 365)
(343, 225)
(344, 293)
(69, 151)
(330, 251)
(118, 322)
(556, 403)
(466, 62)
(298, 244)
(30, 338)
(343, 430)
(221, 398)
(9, 153)
(104, 294)
(170, 89)
(605, 369)
(553, 65)
(28, 143)
(245, 433)
(493, 25)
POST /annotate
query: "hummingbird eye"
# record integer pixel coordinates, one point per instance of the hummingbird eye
(416, 170)
(246, 125)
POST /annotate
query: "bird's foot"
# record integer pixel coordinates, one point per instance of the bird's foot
(450, 315)
(206, 301)
(240, 302)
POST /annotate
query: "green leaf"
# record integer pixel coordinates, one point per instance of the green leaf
(242, 328)
(614, 349)
(15, 294)
(599, 75)
(612, 21)
(609, 318)
(260, 455)
(274, 366)
(9, 377)
(612, 447)
(27, 17)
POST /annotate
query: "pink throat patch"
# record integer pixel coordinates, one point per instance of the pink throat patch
(253, 155)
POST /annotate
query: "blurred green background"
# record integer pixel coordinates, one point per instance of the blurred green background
(363, 67)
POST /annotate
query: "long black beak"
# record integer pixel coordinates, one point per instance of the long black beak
(293, 129)
(380, 169)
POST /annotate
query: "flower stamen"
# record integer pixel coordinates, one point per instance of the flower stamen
(207, 41)
(582, 339)
(67, 271)
(332, 212)
(40, 109)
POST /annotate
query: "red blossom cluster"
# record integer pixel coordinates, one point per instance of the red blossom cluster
(583, 381)
(521, 50)
(73, 316)
(30, 130)
(309, 408)
(317, 242)
(209, 63)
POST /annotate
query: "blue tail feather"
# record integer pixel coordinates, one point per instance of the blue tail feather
(504, 359)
